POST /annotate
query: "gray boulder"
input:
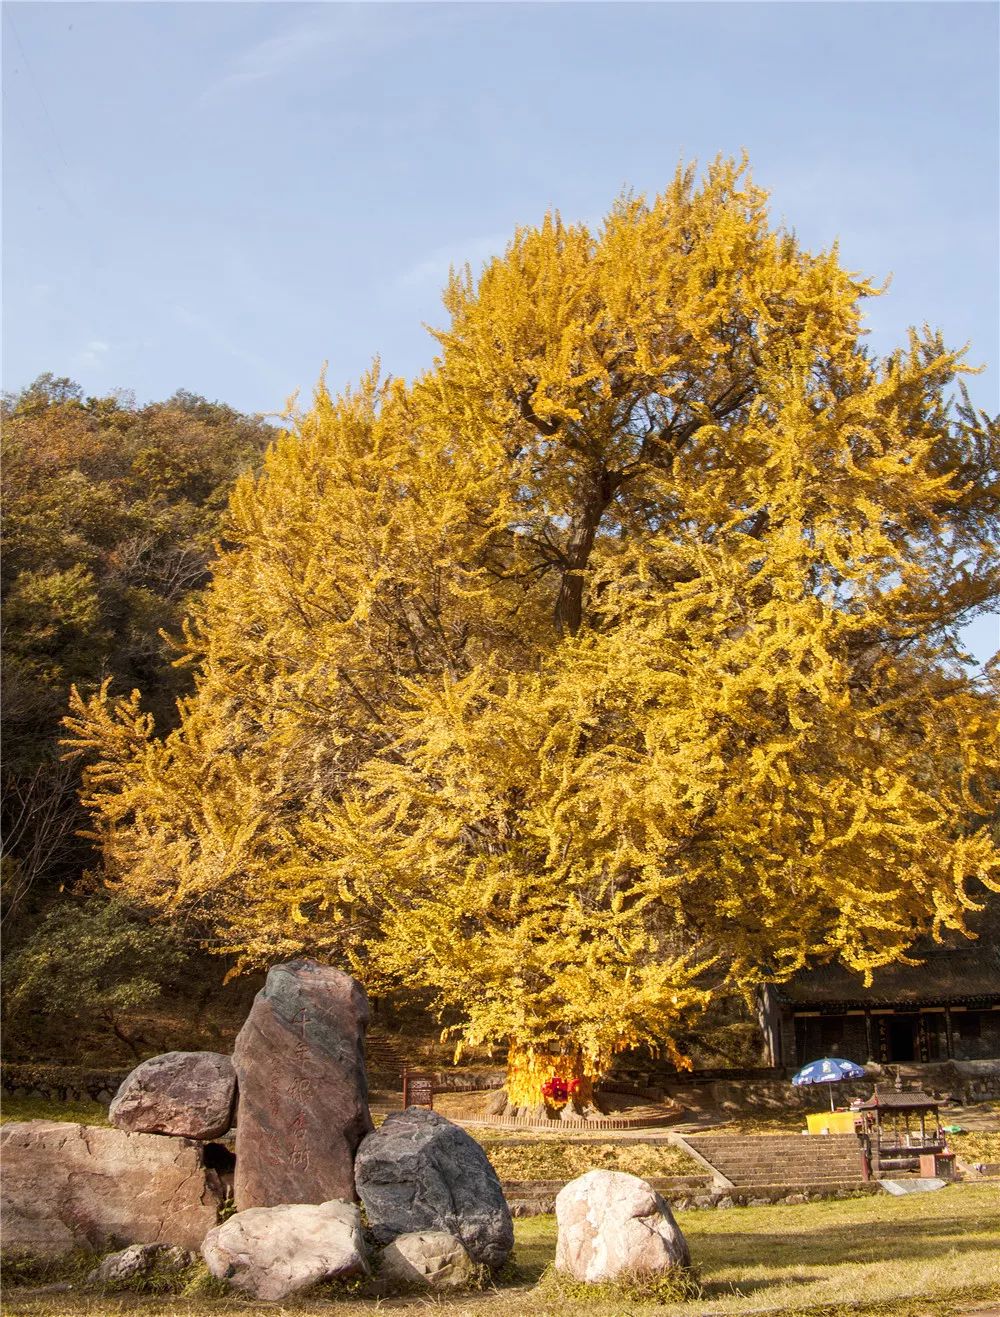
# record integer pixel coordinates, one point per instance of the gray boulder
(428, 1259)
(612, 1225)
(189, 1094)
(419, 1172)
(68, 1186)
(303, 1095)
(273, 1252)
(136, 1261)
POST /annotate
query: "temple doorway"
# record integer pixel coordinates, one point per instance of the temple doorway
(902, 1040)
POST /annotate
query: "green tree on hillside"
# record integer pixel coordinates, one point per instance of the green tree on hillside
(111, 513)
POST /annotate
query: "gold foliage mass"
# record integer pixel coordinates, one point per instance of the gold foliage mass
(612, 662)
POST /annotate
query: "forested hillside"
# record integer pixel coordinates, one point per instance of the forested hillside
(112, 513)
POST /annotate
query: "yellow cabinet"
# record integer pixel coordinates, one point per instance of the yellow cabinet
(832, 1122)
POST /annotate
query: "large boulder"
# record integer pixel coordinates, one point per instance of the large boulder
(303, 1095)
(420, 1172)
(612, 1225)
(272, 1252)
(427, 1259)
(68, 1186)
(189, 1094)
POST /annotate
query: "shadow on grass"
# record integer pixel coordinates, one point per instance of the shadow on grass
(526, 1266)
(882, 1241)
(808, 1256)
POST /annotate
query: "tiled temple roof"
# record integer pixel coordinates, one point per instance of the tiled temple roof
(962, 970)
(944, 976)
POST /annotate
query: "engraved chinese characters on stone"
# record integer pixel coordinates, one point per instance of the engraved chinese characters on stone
(303, 1105)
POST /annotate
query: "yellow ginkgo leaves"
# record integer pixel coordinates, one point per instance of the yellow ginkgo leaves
(610, 665)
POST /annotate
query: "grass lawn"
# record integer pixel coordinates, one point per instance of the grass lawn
(936, 1253)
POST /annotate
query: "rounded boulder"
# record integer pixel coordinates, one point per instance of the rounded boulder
(190, 1095)
(419, 1172)
(273, 1252)
(611, 1224)
(427, 1259)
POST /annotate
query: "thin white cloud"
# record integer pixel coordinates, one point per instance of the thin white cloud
(270, 58)
(351, 31)
(435, 266)
(92, 356)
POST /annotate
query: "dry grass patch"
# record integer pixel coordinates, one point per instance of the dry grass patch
(463, 1106)
(565, 1161)
(976, 1145)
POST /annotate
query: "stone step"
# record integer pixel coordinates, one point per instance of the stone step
(776, 1174)
(750, 1161)
(822, 1148)
(832, 1156)
(383, 1055)
(781, 1161)
(775, 1146)
(776, 1140)
(805, 1179)
(775, 1168)
(793, 1186)
(750, 1158)
(821, 1151)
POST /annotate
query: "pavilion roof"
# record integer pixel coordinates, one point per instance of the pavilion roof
(896, 1101)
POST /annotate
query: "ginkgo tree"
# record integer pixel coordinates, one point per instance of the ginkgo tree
(610, 664)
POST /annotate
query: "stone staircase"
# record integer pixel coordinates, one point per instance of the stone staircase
(383, 1060)
(777, 1159)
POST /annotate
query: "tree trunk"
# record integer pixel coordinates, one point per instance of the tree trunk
(582, 533)
(120, 1033)
(530, 1069)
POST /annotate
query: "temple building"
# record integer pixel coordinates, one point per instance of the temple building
(947, 1008)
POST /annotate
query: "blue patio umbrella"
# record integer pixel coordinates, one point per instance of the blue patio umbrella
(829, 1070)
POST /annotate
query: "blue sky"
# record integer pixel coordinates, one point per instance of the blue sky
(222, 196)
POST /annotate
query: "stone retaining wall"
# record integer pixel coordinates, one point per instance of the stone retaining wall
(643, 1121)
(467, 1081)
(967, 1081)
(56, 1083)
(687, 1193)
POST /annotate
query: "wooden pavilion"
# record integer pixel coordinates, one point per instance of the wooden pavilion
(899, 1131)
